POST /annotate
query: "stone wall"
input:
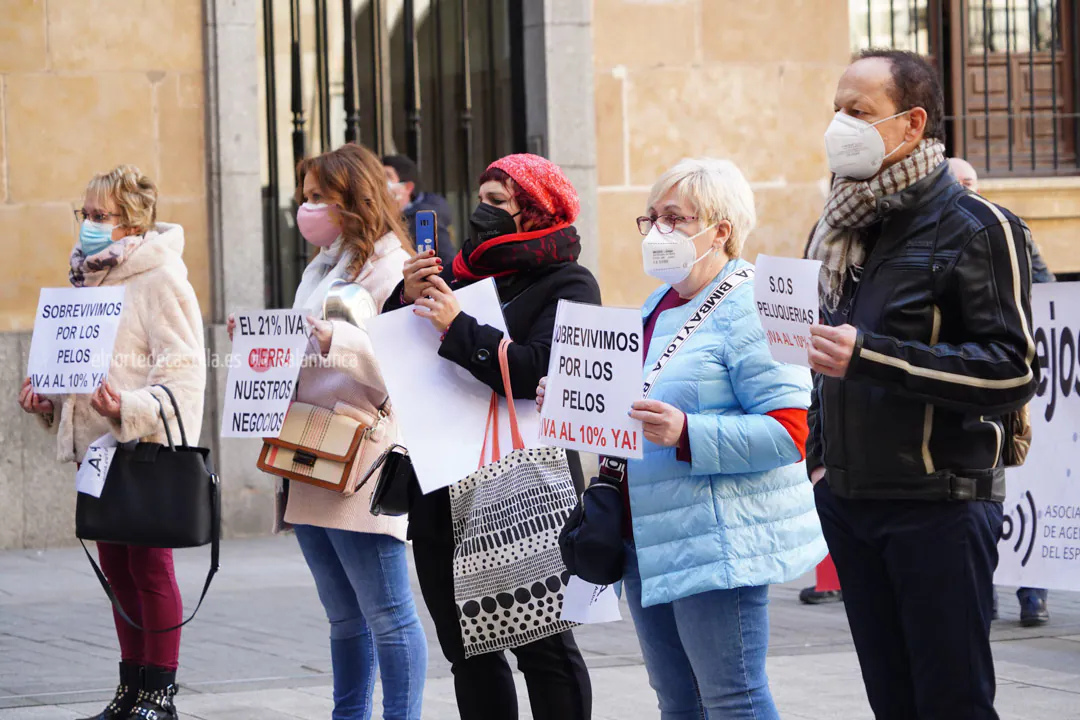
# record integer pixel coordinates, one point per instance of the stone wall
(749, 81)
(85, 86)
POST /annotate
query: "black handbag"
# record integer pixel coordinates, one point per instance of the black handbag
(591, 542)
(155, 496)
(396, 486)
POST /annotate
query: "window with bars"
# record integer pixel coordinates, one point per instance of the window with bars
(1010, 70)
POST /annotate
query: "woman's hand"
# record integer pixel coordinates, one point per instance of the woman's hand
(31, 402)
(231, 326)
(106, 402)
(540, 390)
(438, 304)
(418, 272)
(662, 423)
(323, 330)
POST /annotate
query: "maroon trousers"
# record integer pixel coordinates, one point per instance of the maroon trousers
(145, 585)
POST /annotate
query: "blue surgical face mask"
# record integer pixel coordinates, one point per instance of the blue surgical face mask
(95, 237)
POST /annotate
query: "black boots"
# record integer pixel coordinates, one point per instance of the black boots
(127, 694)
(155, 701)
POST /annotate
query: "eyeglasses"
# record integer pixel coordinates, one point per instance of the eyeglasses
(664, 223)
(99, 217)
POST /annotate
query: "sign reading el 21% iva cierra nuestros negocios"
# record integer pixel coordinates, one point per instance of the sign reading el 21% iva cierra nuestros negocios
(74, 333)
(268, 351)
(594, 376)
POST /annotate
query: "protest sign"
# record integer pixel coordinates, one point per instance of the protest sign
(594, 376)
(440, 407)
(74, 334)
(1040, 542)
(589, 604)
(786, 296)
(90, 477)
(268, 351)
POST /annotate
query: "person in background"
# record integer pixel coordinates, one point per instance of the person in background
(359, 561)
(522, 235)
(1033, 601)
(159, 342)
(924, 348)
(719, 507)
(403, 179)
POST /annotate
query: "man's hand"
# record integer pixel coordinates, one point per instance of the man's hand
(831, 349)
(31, 402)
(438, 304)
(106, 402)
(230, 325)
(418, 272)
(661, 422)
(817, 475)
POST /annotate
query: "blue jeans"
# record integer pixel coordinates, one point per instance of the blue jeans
(705, 654)
(363, 582)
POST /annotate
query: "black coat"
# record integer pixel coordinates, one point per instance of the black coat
(943, 353)
(529, 304)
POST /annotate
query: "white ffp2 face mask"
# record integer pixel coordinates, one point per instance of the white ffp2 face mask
(855, 149)
(670, 258)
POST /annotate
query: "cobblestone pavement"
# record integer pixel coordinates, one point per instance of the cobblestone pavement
(259, 648)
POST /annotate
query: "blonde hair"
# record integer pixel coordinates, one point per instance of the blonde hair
(717, 190)
(134, 194)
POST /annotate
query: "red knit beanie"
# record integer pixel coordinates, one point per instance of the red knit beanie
(543, 181)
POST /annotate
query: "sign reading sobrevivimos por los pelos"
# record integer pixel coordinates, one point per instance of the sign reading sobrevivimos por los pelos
(1040, 543)
(594, 376)
(786, 296)
(268, 351)
(74, 333)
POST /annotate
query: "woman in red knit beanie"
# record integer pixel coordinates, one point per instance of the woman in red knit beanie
(521, 234)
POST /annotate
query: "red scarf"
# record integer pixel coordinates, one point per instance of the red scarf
(519, 252)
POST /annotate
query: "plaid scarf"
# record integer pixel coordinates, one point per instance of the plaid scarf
(91, 271)
(852, 206)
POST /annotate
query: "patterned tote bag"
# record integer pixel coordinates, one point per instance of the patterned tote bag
(509, 576)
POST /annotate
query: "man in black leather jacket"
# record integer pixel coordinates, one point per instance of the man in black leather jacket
(923, 351)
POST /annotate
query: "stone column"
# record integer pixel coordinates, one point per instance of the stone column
(560, 112)
(236, 247)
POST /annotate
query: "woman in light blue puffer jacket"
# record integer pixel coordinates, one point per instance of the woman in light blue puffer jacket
(720, 504)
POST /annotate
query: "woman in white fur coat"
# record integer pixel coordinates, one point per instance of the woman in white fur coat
(159, 341)
(358, 560)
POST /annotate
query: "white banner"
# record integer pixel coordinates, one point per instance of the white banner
(594, 376)
(440, 407)
(786, 296)
(1040, 545)
(74, 334)
(268, 351)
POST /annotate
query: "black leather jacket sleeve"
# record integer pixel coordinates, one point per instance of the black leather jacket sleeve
(814, 453)
(990, 372)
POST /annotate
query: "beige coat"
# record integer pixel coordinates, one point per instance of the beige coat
(159, 341)
(350, 349)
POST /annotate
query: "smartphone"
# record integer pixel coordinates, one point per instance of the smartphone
(427, 231)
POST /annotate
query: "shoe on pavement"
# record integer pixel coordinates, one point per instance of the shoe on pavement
(1033, 611)
(811, 596)
(127, 694)
(156, 697)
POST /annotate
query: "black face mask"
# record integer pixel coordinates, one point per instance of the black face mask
(489, 222)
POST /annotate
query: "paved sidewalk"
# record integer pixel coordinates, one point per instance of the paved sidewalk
(259, 651)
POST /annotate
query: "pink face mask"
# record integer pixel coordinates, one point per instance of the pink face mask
(316, 225)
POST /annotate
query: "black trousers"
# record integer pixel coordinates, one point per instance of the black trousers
(555, 672)
(918, 580)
